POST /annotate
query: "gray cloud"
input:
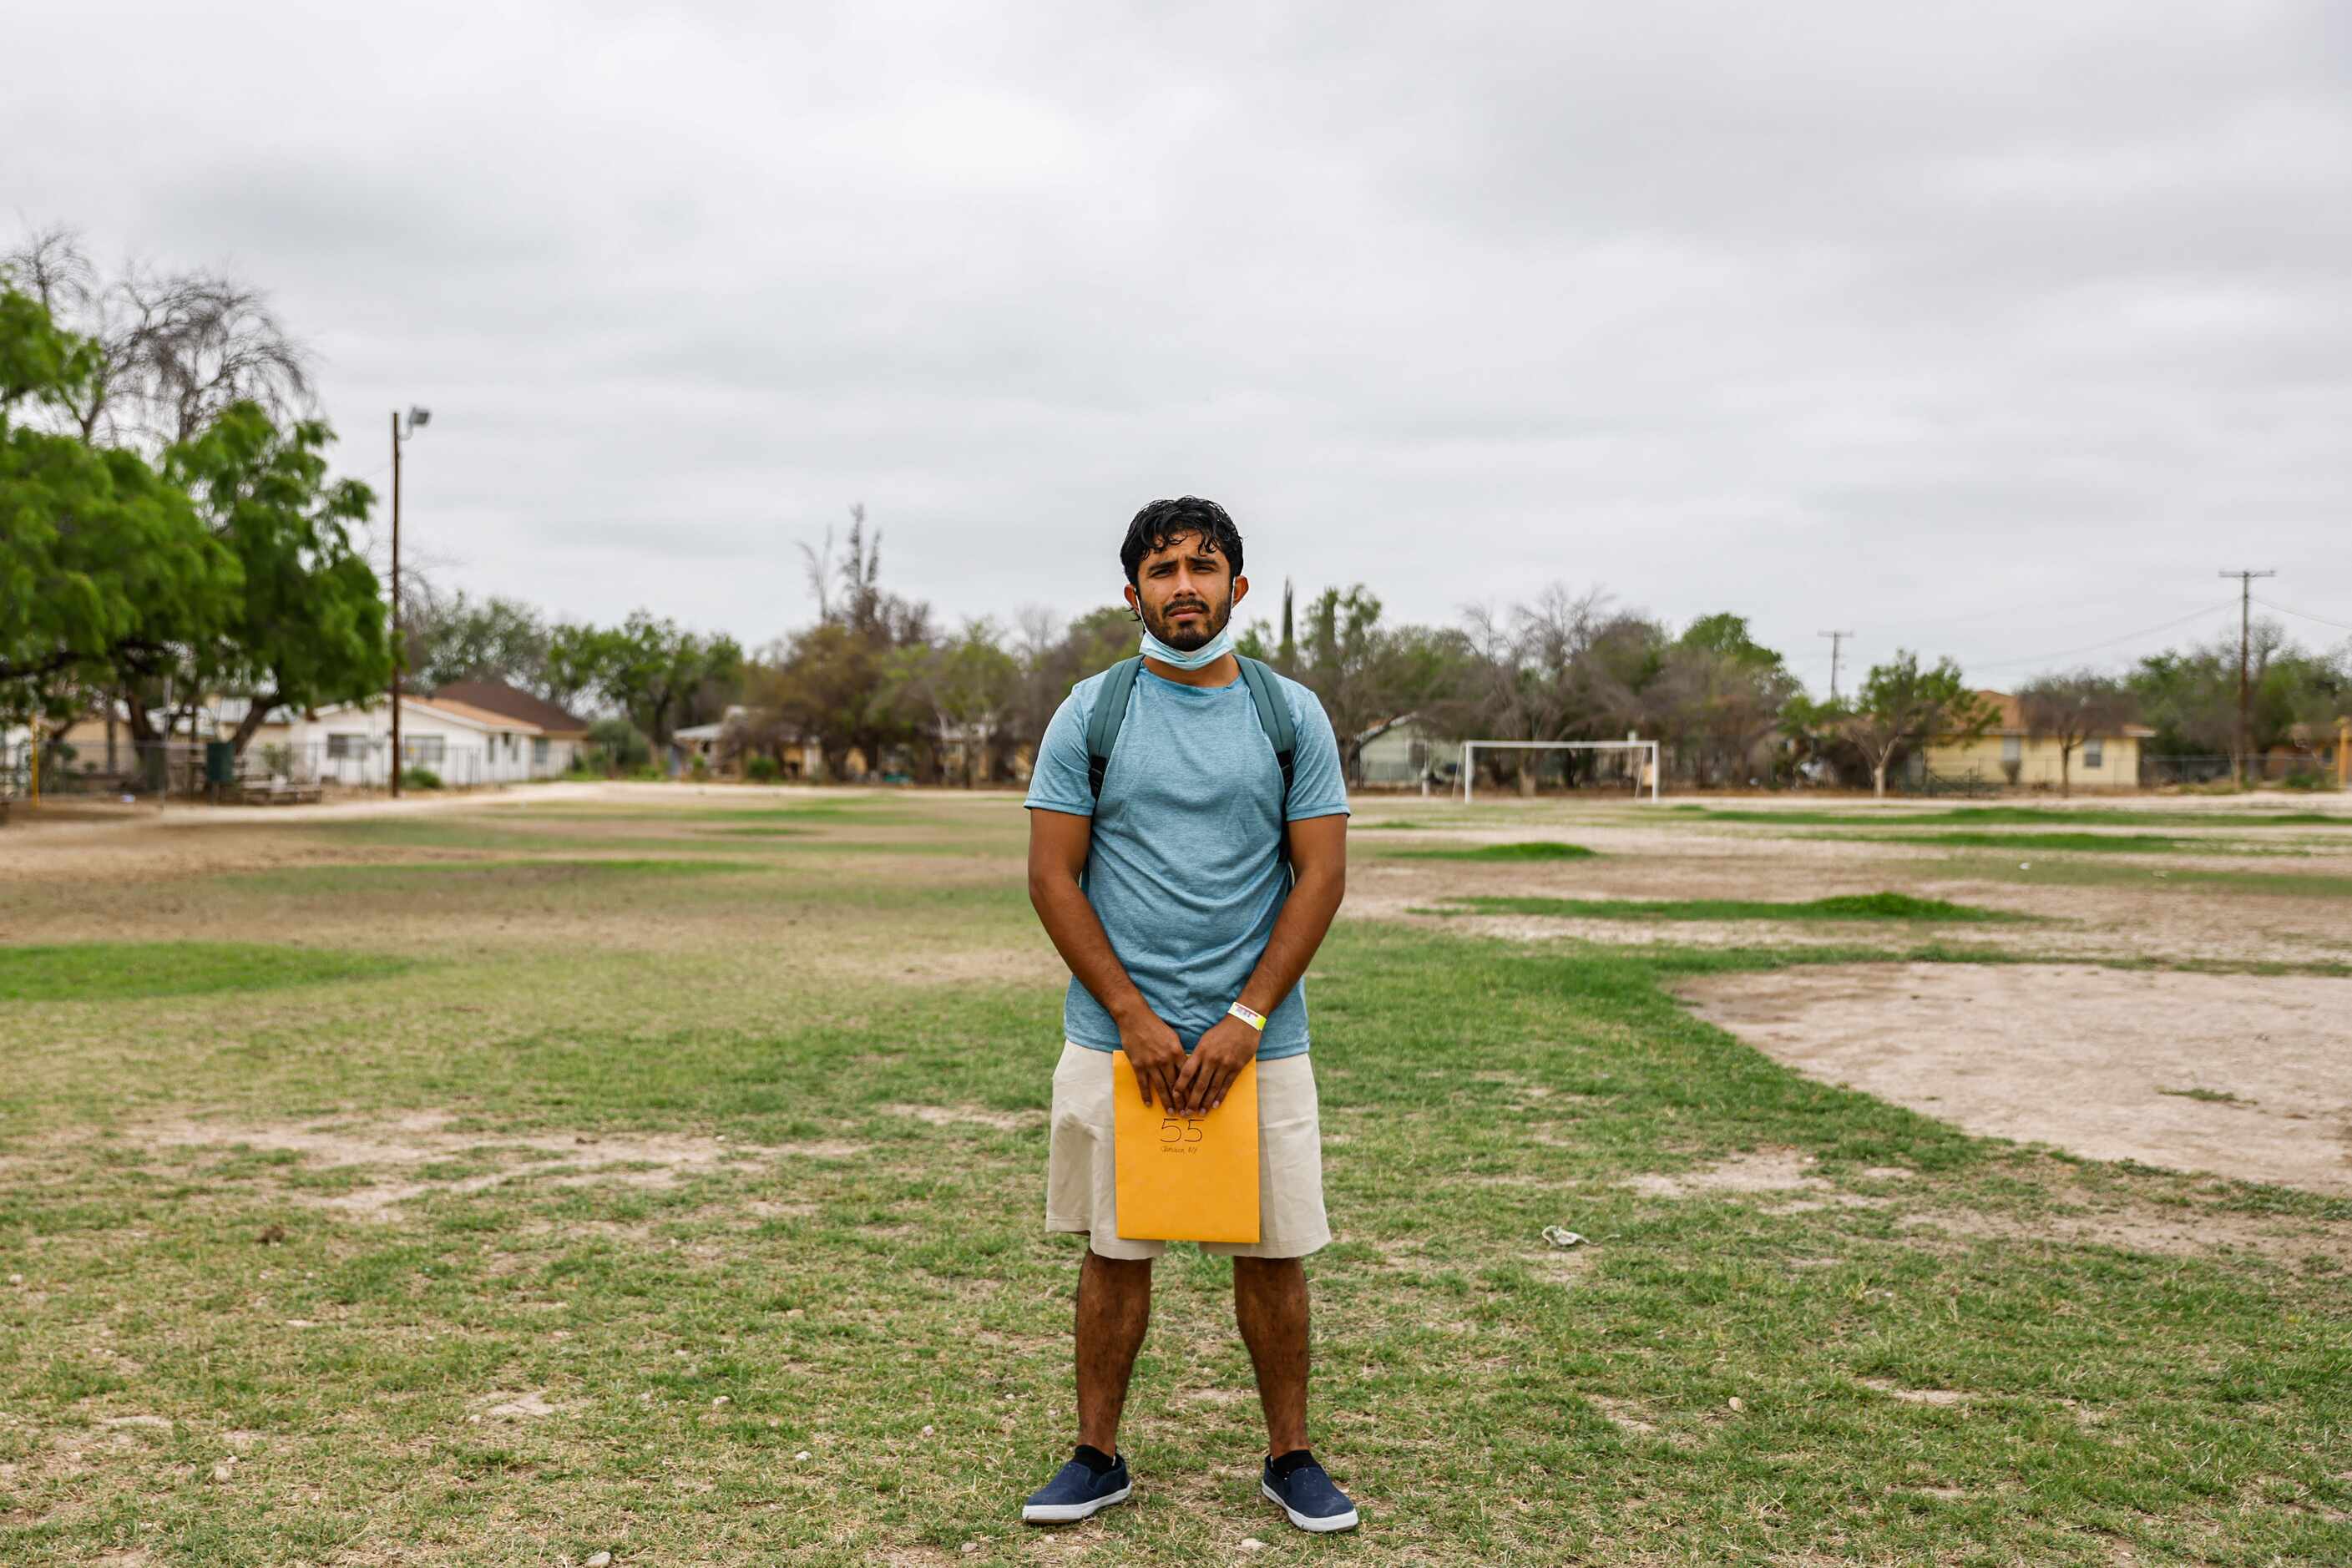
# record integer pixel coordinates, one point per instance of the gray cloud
(1992, 330)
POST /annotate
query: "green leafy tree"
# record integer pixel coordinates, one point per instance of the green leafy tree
(574, 664)
(1052, 662)
(1368, 675)
(1902, 705)
(106, 570)
(853, 681)
(307, 627)
(2189, 695)
(453, 637)
(1342, 659)
(1717, 694)
(830, 689)
(970, 690)
(654, 670)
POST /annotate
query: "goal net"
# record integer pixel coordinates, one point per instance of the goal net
(1645, 755)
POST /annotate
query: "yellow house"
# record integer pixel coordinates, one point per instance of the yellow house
(2006, 753)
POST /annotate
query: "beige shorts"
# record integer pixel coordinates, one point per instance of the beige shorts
(1081, 1194)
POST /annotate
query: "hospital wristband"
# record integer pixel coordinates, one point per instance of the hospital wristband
(1254, 1018)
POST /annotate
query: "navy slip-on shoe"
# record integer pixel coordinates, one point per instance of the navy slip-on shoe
(1308, 1496)
(1076, 1493)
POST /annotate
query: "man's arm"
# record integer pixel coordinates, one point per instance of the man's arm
(1318, 855)
(1058, 842)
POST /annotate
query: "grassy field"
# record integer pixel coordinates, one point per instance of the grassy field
(507, 1187)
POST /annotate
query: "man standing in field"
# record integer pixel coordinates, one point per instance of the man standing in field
(1187, 872)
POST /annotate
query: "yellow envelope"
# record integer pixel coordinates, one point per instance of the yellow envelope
(1185, 1178)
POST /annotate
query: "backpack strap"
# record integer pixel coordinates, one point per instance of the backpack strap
(1274, 718)
(1110, 712)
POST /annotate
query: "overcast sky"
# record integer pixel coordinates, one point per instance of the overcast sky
(1990, 329)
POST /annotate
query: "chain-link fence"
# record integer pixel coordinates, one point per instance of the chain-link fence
(2304, 770)
(2160, 772)
(126, 769)
(267, 771)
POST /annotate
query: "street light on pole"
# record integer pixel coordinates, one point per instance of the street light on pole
(418, 420)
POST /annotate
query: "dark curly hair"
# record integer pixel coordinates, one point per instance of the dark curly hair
(1156, 525)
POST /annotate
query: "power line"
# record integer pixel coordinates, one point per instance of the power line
(2299, 614)
(2094, 647)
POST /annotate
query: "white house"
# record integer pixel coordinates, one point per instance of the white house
(552, 734)
(1405, 750)
(351, 743)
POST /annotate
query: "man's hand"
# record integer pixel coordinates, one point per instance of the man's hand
(1228, 1046)
(1154, 1052)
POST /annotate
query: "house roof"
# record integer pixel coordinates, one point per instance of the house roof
(1365, 737)
(2011, 717)
(481, 716)
(511, 702)
(472, 717)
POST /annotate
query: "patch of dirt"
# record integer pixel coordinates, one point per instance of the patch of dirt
(531, 1405)
(1916, 1395)
(419, 1138)
(1834, 1201)
(1565, 1265)
(1222, 1396)
(2139, 1228)
(1763, 1171)
(2091, 1060)
(969, 1116)
(1624, 1414)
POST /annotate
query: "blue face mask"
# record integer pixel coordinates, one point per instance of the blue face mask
(1207, 654)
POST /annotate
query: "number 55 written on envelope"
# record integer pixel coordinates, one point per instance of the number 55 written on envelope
(1185, 1178)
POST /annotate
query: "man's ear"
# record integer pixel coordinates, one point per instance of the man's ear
(1134, 602)
(1241, 589)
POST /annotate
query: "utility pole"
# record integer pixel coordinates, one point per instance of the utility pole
(2245, 692)
(418, 420)
(1837, 642)
(395, 604)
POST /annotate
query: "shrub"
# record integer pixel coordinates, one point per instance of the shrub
(701, 768)
(421, 778)
(762, 770)
(2304, 779)
(2012, 768)
(618, 746)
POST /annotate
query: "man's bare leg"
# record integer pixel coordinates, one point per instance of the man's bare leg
(1270, 1304)
(1114, 1309)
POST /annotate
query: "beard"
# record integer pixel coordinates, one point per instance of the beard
(1185, 640)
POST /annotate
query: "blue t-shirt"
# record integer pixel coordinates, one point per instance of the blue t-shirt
(1186, 871)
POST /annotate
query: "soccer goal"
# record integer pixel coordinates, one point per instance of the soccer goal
(1647, 749)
